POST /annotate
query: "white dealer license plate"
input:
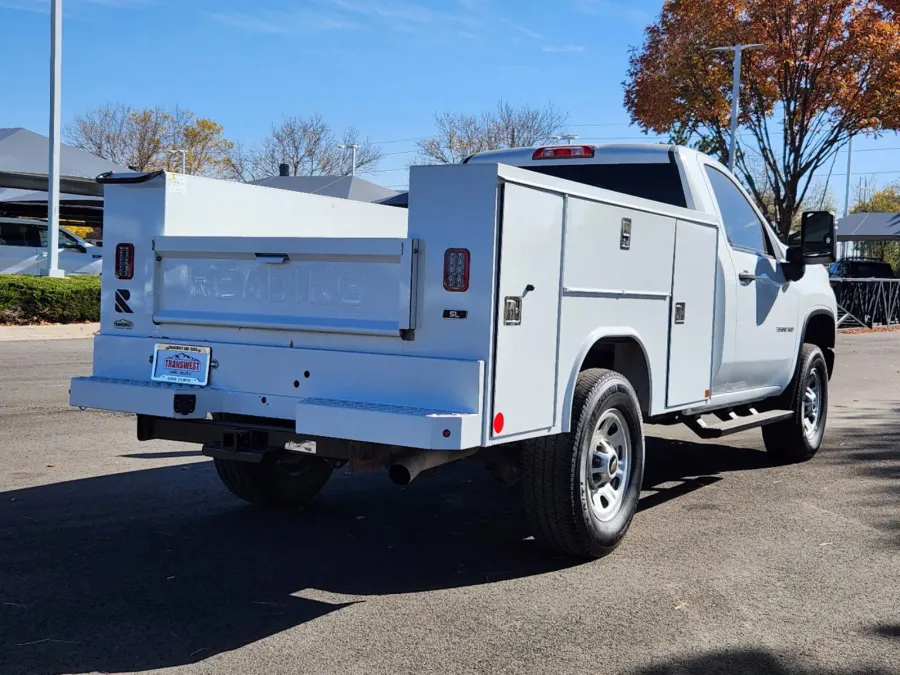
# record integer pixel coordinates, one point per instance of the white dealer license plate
(183, 364)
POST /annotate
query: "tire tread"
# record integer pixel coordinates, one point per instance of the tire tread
(243, 480)
(786, 441)
(549, 475)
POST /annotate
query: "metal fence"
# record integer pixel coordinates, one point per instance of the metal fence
(866, 303)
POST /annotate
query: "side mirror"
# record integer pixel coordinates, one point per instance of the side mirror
(818, 242)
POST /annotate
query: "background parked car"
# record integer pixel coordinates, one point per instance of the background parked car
(860, 268)
(23, 249)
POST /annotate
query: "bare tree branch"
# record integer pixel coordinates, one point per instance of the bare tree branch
(460, 135)
(309, 147)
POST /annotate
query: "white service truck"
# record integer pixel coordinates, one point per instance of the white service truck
(533, 306)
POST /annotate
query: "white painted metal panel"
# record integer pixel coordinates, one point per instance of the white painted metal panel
(197, 206)
(596, 261)
(693, 308)
(530, 261)
(406, 426)
(265, 371)
(767, 314)
(340, 285)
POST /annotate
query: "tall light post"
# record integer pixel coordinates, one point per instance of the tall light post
(55, 111)
(849, 168)
(354, 148)
(735, 93)
(183, 157)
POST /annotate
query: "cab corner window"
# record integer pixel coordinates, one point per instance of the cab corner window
(742, 225)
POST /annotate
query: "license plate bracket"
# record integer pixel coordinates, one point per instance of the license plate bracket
(181, 364)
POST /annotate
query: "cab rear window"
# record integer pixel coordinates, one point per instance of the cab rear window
(658, 182)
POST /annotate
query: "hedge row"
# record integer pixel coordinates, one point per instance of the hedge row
(39, 300)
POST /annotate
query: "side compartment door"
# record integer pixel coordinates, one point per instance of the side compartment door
(525, 357)
(692, 317)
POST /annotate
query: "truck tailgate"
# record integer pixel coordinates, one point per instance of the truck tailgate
(331, 285)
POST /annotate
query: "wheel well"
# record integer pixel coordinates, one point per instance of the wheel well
(625, 356)
(820, 331)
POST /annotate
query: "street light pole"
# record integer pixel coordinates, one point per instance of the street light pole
(55, 112)
(183, 157)
(849, 167)
(354, 148)
(735, 94)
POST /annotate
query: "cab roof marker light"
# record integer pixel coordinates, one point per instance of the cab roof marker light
(564, 152)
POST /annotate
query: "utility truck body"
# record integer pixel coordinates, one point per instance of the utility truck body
(519, 293)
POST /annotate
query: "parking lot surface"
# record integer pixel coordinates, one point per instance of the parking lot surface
(119, 557)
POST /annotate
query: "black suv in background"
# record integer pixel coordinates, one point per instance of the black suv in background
(860, 268)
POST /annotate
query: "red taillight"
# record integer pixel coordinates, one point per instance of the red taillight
(456, 270)
(565, 152)
(124, 261)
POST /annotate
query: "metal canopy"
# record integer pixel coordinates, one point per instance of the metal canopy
(345, 187)
(73, 185)
(869, 227)
(24, 151)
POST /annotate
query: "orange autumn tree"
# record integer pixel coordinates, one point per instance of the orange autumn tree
(830, 69)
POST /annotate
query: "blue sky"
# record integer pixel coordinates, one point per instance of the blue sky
(384, 66)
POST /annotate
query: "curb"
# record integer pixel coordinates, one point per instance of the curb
(51, 332)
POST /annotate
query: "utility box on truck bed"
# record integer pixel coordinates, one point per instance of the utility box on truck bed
(515, 309)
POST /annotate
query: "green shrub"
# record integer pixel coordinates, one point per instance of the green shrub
(35, 300)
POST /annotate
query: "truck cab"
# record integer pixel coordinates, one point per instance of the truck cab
(762, 314)
(23, 249)
(532, 306)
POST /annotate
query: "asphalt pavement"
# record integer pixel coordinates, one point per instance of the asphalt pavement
(118, 556)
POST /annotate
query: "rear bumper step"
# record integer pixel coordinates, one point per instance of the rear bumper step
(380, 423)
(389, 424)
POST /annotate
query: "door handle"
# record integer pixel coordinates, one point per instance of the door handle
(272, 258)
(747, 277)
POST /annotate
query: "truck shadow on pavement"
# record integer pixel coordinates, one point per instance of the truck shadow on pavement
(161, 567)
(750, 662)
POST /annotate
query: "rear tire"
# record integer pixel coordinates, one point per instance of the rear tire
(284, 480)
(799, 438)
(581, 489)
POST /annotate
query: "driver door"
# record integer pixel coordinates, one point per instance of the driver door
(18, 248)
(765, 335)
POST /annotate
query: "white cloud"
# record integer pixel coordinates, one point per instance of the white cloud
(405, 15)
(277, 22)
(564, 49)
(614, 8)
(526, 31)
(43, 6)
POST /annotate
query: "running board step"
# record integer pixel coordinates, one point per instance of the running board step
(736, 423)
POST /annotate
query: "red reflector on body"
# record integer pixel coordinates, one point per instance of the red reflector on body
(565, 152)
(456, 270)
(124, 261)
(498, 423)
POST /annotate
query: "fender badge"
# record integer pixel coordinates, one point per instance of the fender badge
(123, 324)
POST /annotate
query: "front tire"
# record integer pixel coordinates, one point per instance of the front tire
(283, 480)
(799, 438)
(581, 489)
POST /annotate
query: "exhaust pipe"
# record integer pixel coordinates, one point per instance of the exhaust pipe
(403, 471)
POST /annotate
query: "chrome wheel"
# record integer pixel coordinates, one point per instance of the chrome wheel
(812, 404)
(608, 465)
